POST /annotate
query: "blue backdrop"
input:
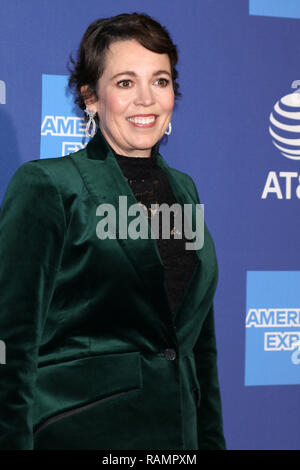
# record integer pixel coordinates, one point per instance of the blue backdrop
(236, 131)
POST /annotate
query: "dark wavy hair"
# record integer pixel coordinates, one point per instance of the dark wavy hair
(90, 63)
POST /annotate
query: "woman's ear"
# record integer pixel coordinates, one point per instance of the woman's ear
(89, 98)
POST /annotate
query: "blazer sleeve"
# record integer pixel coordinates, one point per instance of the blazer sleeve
(32, 228)
(209, 412)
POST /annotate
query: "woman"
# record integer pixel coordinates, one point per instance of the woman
(110, 340)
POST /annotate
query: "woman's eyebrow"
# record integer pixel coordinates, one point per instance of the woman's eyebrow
(133, 74)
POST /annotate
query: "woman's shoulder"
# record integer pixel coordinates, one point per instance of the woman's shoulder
(61, 165)
(181, 176)
(187, 182)
(60, 170)
(44, 176)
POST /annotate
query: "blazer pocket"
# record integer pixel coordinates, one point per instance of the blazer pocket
(73, 386)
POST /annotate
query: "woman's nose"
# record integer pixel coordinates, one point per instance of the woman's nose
(144, 95)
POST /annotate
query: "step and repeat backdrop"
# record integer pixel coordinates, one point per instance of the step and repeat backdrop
(236, 131)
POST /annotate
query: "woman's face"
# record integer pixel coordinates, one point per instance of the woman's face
(135, 98)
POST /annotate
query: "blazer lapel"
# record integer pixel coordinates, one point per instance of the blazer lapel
(106, 182)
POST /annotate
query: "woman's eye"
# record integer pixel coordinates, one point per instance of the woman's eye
(164, 80)
(124, 81)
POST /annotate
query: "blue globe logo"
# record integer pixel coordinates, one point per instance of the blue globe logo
(285, 125)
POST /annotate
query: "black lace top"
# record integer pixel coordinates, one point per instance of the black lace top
(150, 186)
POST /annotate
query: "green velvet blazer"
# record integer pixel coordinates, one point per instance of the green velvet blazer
(94, 358)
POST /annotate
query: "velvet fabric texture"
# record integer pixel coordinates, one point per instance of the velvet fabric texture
(94, 357)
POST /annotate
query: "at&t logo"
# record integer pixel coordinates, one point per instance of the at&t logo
(284, 129)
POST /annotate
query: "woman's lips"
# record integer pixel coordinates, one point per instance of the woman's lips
(142, 121)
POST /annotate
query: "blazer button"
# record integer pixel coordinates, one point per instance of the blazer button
(170, 354)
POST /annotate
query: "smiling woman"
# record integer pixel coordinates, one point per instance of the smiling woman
(110, 341)
(133, 86)
(134, 117)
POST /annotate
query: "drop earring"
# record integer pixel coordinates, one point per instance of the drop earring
(91, 121)
(169, 130)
